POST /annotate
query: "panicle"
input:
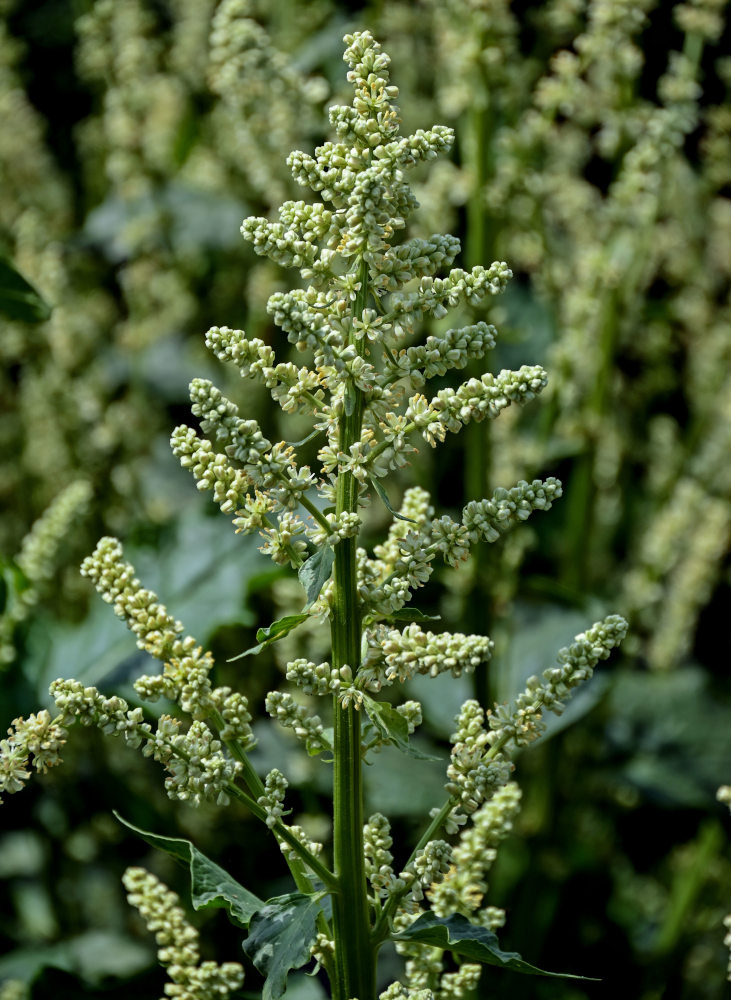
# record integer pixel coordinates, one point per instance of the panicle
(178, 942)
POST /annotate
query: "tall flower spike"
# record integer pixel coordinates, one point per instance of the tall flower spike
(365, 290)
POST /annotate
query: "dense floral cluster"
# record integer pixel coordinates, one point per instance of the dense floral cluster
(360, 385)
(178, 948)
(36, 559)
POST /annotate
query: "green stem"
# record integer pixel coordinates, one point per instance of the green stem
(478, 125)
(580, 510)
(317, 514)
(354, 955)
(280, 831)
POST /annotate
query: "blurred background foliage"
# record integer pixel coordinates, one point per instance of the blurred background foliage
(593, 154)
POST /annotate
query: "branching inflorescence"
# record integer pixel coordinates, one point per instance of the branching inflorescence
(362, 382)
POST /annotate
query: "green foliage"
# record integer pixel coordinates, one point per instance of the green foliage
(211, 887)
(281, 936)
(18, 298)
(458, 935)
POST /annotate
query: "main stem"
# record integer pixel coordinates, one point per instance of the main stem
(354, 953)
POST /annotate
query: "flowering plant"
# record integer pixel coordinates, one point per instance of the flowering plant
(362, 388)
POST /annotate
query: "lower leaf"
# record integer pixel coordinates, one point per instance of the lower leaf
(458, 935)
(281, 936)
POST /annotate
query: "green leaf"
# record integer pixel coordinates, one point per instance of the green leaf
(458, 935)
(412, 615)
(393, 727)
(270, 634)
(281, 936)
(93, 955)
(211, 886)
(387, 503)
(315, 572)
(18, 298)
(391, 772)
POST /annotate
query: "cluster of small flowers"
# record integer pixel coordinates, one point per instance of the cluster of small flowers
(265, 102)
(404, 561)
(701, 17)
(433, 862)
(178, 946)
(116, 584)
(219, 416)
(313, 846)
(343, 525)
(400, 655)
(310, 678)
(475, 400)
(370, 200)
(472, 777)
(416, 258)
(411, 711)
(37, 556)
(377, 842)
(459, 984)
(434, 296)
(272, 802)
(39, 735)
(688, 586)
(197, 767)
(397, 991)
(112, 715)
(187, 666)
(463, 888)
(488, 519)
(452, 350)
(14, 989)
(415, 510)
(211, 470)
(522, 722)
(323, 950)
(233, 709)
(39, 546)
(308, 728)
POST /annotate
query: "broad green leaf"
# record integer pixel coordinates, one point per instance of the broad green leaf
(458, 935)
(670, 735)
(270, 634)
(377, 486)
(315, 572)
(93, 956)
(412, 615)
(18, 298)
(211, 886)
(281, 936)
(393, 727)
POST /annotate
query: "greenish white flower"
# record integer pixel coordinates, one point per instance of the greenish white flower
(308, 728)
(178, 942)
(272, 801)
